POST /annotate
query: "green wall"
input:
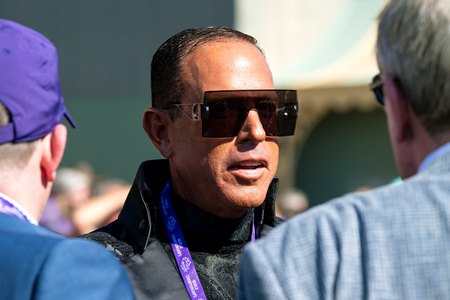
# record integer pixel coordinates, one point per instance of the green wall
(345, 152)
(109, 136)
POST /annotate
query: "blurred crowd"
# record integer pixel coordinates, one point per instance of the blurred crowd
(82, 201)
(291, 203)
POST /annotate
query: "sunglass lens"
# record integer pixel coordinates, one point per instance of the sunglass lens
(377, 87)
(224, 112)
(287, 119)
(221, 119)
(267, 115)
(379, 94)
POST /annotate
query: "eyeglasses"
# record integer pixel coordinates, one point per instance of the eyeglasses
(377, 88)
(223, 113)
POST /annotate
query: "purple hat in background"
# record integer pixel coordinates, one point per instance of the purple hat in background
(29, 84)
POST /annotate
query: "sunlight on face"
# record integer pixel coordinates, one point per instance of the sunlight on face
(224, 176)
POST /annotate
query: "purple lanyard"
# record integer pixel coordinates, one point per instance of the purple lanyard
(180, 249)
(10, 209)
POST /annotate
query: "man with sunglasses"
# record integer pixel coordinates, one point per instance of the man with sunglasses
(217, 120)
(392, 242)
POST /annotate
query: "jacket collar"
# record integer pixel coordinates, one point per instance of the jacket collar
(140, 206)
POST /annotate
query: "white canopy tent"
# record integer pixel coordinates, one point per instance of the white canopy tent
(311, 44)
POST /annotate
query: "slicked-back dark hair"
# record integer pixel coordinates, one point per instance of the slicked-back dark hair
(167, 82)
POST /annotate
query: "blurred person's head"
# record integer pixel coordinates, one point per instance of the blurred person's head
(32, 140)
(223, 165)
(291, 203)
(413, 52)
(72, 186)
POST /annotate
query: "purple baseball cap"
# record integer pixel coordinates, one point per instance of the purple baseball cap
(29, 84)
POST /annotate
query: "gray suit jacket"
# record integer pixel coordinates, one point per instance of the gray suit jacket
(389, 243)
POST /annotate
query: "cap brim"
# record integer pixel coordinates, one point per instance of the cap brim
(70, 118)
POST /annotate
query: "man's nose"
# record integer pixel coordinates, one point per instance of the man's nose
(252, 128)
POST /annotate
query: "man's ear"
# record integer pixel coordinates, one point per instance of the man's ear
(401, 112)
(156, 123)
(54, 145)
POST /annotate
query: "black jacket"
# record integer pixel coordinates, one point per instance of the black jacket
(138, 239)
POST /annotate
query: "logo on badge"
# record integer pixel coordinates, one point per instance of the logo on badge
(185, 264)
(171, 222)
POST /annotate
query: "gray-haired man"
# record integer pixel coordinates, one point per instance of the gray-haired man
(392, 242)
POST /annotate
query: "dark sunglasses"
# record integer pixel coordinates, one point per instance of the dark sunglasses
(223, 113)
(377, 88)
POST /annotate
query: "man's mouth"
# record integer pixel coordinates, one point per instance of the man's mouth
(248, 165)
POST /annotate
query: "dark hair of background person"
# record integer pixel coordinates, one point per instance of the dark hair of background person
(167, 82)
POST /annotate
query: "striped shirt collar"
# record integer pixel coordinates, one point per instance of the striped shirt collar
(30, 218)
(433, 155)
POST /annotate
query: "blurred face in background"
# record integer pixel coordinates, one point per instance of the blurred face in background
(72, 187)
